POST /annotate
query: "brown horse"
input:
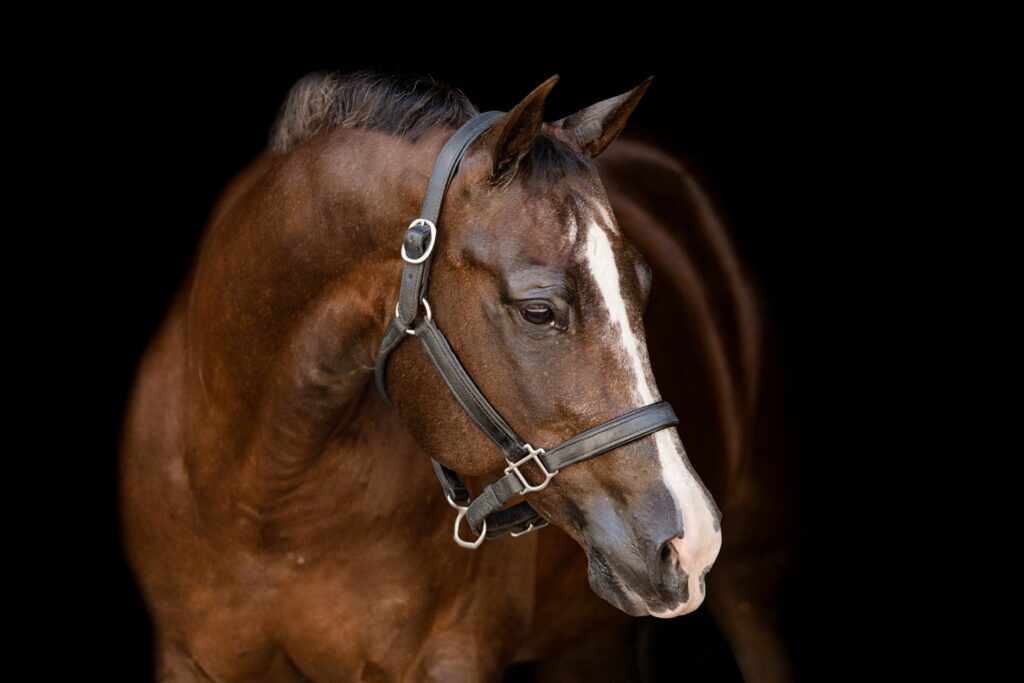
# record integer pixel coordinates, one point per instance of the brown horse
(283, 520)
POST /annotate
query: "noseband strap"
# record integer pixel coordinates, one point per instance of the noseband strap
(486, 515)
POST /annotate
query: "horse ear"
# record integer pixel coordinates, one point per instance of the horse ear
(515, 132)
(592, 129)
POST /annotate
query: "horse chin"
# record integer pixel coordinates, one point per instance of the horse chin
(677, 611)
(611, 591)
(606, 584)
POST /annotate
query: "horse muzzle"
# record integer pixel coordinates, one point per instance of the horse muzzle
(658, 570)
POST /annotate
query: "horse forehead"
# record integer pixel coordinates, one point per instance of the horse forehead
(569, 212)
(521, 230)
(565, 239)
(540, 223)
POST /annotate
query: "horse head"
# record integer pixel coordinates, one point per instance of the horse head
(541, 297)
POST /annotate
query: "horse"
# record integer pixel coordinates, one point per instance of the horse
(280, 515)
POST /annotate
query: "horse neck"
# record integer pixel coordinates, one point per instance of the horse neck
(293, 287)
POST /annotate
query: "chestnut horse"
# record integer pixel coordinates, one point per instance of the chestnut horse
(283, 520)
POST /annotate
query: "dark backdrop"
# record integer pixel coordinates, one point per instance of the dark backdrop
(777, 134)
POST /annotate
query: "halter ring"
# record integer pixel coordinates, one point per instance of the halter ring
(426, 307)
(472, 545)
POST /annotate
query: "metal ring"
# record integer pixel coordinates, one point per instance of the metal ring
(472, 545)
(426, 307)
(430, 247)
(522, 533)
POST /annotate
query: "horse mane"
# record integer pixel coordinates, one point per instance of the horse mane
(398, 104)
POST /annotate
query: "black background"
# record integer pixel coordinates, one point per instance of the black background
(782, 133)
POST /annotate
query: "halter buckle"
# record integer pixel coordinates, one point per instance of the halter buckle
(430, 247)
(534, 455)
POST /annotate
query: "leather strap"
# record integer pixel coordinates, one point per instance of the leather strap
(487, 513)
(448, 159)
(516, 520)
(420, 239)
(616, 432)
(466, 393)
(454, 489)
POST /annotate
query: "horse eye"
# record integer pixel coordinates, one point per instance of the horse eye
(537, 314)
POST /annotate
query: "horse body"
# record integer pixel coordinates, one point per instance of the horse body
(261, 559)
(283, 522)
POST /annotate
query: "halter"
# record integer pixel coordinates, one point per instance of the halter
(485, 515)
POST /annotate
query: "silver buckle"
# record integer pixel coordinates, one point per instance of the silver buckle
(430, 247)
(472, 545)
(533, 454)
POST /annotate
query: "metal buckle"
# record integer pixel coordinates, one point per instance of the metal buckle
(430, 247)
(472, 545)
(533, 454)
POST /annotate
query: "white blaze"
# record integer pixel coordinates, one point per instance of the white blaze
(571, 230)
(601, 261)
(702, 539)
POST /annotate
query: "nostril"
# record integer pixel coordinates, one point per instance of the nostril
(668, 552)
(670, 574)
(678, 572)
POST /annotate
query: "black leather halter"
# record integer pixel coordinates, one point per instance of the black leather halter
(486, 517)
